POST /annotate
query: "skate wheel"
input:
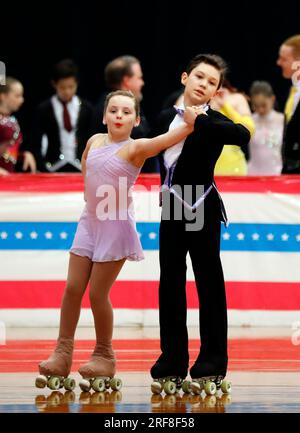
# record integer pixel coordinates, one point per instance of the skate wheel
(156, 387)
(170, 387)
(41, 381)
(98, 385)
(210, 388)
(196, 388)
(69, 384)
(226, 387)
(54, 383)
(186, 386)
(116, 384)
(85, 385)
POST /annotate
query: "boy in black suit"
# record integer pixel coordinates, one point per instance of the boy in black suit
(190, 164)
(63, 123)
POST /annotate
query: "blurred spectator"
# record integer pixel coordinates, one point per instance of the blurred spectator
(63, 123)
(9, 135)
(265, 145)
(11, 99)
(233, 104)
(125, 73)
(289, 61)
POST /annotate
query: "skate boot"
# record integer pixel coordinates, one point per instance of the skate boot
(99, 372)
(55, 370)
(168, 378)
(210, 377)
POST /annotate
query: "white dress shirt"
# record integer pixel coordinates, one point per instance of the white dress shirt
(172, 153)
(67, 139)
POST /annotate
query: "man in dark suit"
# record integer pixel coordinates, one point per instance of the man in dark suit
(289, 61)
(125, 73)
(63, 123)
(189, 167)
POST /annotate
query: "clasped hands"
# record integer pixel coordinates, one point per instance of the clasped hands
(191, 112)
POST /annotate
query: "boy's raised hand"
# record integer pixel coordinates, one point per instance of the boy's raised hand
(190, 114)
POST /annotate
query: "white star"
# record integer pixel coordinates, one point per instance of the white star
(152, 235)
(284, 237)
(298, 238)
(255, 236)
(226, 236)
(270, 236)
(241, 236)
(33, 235)
(48, 235)
(19, 235)
(139, 234)
(3, 235)
(63, 235)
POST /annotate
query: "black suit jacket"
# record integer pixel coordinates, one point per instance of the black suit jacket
(45, 123)
(202, 148)
(291, 144)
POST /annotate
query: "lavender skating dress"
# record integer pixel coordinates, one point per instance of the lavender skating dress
(107, 230)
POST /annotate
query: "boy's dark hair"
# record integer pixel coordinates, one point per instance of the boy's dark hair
(123, 93)
(64, 69)
(209, 59)
(117, 69)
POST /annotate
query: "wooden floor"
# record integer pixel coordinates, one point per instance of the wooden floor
(264, 368)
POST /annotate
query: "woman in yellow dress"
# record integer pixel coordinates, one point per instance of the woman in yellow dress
(234, 105)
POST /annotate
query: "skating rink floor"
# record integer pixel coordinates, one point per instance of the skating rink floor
(264, 368)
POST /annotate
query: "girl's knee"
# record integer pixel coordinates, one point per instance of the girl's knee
(97, 296)
(74, 290)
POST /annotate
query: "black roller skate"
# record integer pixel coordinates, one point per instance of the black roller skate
(206, 376)
(168, 377)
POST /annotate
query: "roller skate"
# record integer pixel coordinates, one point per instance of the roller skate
(203, 378)
(55, 370)
(164, 381)
(99, 372)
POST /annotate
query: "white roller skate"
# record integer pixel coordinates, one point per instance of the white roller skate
(54, 372)
(98, 373)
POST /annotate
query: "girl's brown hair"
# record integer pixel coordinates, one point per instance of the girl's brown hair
(123, 93)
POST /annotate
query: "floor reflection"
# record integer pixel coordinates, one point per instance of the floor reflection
(88, 402)
(190, 403)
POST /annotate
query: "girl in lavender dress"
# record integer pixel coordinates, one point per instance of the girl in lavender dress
(265, 145)
(106, 236)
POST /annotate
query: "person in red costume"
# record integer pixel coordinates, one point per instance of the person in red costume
(11, 99)
(9, 137)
